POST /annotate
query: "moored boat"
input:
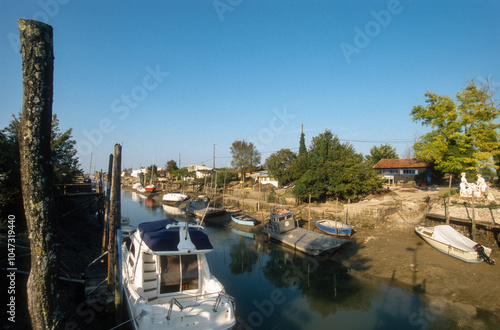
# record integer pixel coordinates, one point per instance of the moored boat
(174, 197)
(334, 227)
(167, 280)
(243, 219)
(449, 241)
(150, 188)
(283, 227)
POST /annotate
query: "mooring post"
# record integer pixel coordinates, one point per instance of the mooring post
(37, 173)
(105, 235)
(114, 224)
(473, 224)
(447, 211)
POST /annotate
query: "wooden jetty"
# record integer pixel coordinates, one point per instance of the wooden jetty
(307, 241)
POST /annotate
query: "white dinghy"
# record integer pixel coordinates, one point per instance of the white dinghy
(447, 240)
(167, 280)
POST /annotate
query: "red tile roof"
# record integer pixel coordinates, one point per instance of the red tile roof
(400, 163)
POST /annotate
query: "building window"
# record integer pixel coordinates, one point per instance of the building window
(390, 171)
(410, 172)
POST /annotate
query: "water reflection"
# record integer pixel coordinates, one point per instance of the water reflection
(278, 288)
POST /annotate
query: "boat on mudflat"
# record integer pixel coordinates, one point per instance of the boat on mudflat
(167, 280)
(150, 188)
(334, 227)
(449, 241)
(243, 219)
(174, 197)
(283, 227)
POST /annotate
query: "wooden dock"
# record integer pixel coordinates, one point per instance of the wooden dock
(463, 222)
(307, 241)
(96, 286)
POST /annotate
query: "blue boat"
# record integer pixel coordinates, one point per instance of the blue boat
(243, 219)
(334, 227)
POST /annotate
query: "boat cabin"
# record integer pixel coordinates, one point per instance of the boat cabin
(160, 263)
(281, 220)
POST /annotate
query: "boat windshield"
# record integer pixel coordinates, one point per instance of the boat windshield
(178, 273)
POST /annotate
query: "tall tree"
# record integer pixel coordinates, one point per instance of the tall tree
(171, 166)
(464, 134)
(279, 165)
(245, 155)
(302, 143)
(335, 170)
(385, 151)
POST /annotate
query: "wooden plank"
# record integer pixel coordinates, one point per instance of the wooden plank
(307, 241)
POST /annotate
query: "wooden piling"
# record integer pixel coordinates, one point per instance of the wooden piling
(37, 173)
(114, 225)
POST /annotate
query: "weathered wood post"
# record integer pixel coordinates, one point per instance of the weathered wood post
(37, 173)
(447, 209)
(114, 224)
(473, 224)
(105, 235)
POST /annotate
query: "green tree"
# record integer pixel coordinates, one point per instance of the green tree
(171, 166)
(279, 165)
(245, 155)
(464, 134)
(385, 151)
(335, 170)
(302, 144)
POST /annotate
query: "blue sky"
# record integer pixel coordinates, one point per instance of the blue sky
(177, 77)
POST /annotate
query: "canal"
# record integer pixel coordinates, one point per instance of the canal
(277, 288)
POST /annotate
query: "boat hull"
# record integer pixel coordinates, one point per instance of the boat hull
(463, 252)
(334, 227)
(244, 220)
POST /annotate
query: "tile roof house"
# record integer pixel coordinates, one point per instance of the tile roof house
(404, 171)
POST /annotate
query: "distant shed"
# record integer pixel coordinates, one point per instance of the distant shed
(405, 170)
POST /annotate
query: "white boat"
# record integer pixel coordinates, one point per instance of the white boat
(334, 227)
(167, 280)
(137, 186)
(447, 240)
(174, 197)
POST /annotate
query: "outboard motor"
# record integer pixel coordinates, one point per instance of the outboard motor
(481, 255)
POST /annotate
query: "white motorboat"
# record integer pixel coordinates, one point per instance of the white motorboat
(174, 197)
(167, 280)
(449, 241)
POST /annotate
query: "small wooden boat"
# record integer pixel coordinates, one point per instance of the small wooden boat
(243, 219)
(449, 241)
(150, 188)
(167, 279)
(334, 227)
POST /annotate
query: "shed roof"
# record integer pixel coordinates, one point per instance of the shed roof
(400, 163)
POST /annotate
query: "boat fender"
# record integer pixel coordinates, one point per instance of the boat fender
(481, 255)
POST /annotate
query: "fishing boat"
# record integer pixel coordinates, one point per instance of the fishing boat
(150, 188)
(449, 241)
(283, 227)
(243, 219)
(174, 197)
(167, 280)
(334, 227)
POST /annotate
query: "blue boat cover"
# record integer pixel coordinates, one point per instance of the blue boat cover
(159, 239)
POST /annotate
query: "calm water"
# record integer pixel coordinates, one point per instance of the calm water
(276, 288)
